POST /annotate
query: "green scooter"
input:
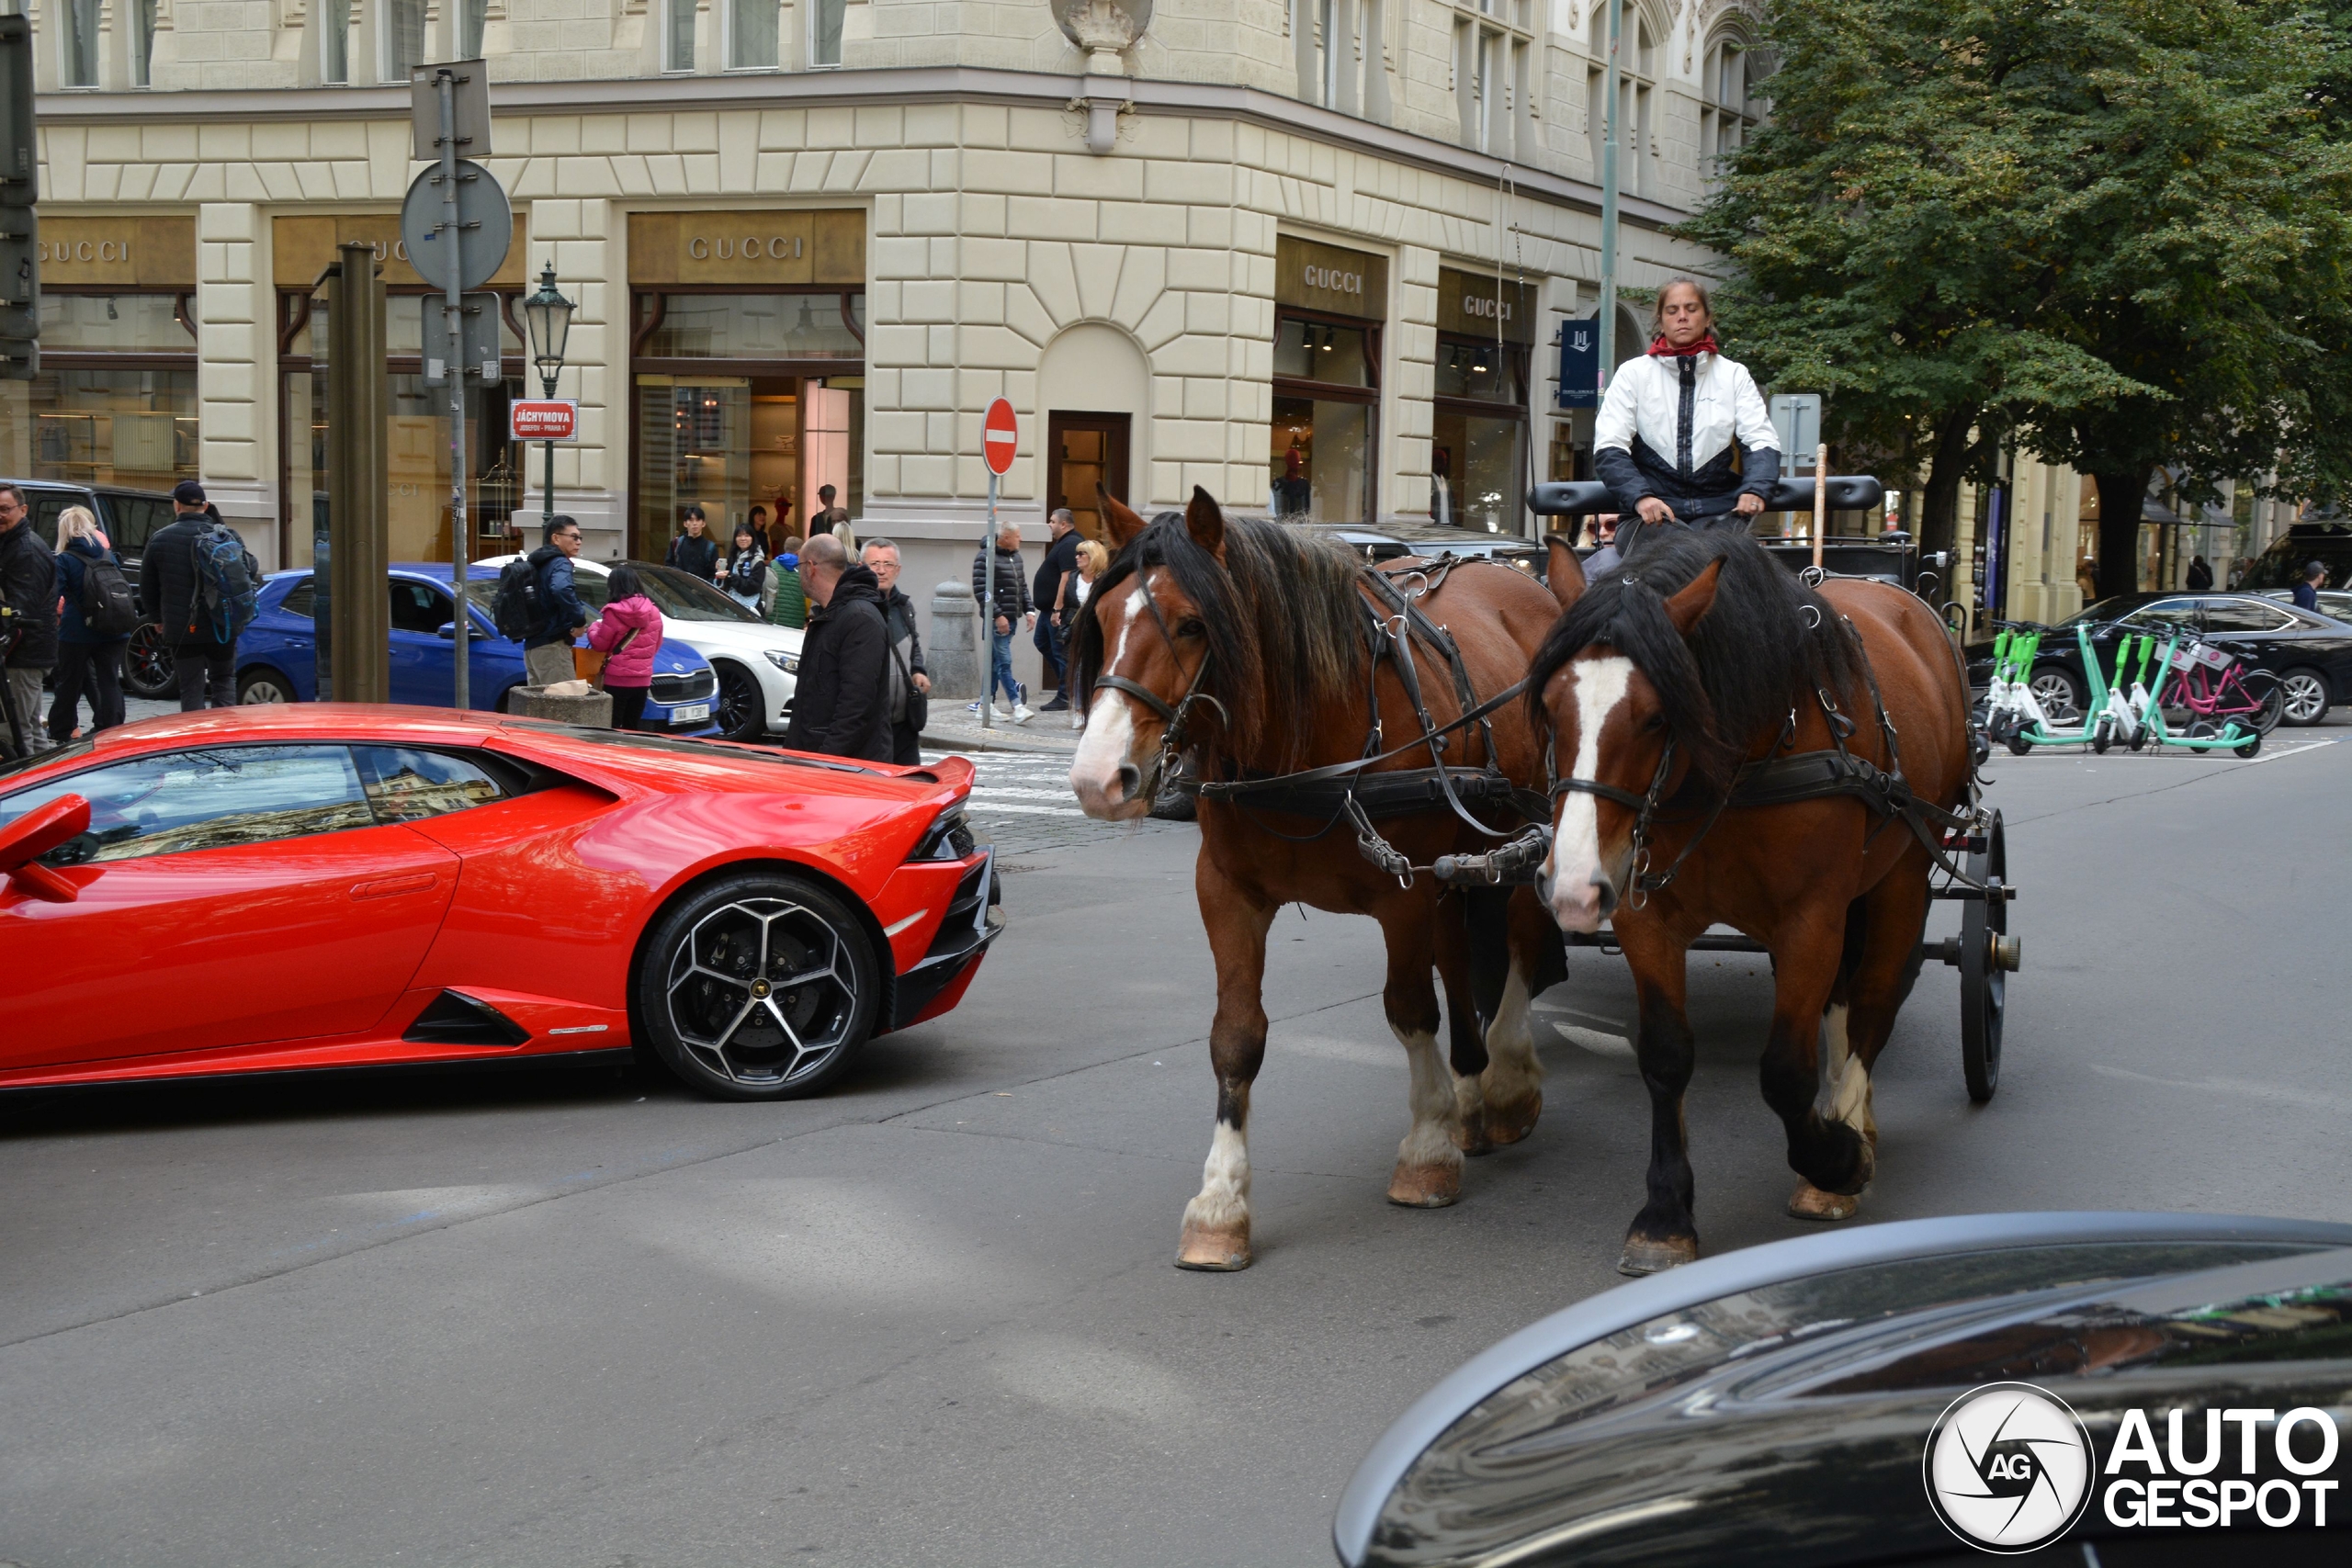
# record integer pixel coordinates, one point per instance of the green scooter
(2244, 739)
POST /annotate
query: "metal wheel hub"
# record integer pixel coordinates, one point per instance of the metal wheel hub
(760, 991)
(2304, 698)
(2056, 696)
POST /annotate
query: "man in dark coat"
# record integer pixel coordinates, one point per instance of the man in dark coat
(168, 590)
(28, 619)
(1052, 635)
(841, 706)
(911, 684)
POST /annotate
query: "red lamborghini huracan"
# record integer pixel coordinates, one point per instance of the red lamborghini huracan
(282, 888)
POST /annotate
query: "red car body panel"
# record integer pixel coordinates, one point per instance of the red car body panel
(319, 951)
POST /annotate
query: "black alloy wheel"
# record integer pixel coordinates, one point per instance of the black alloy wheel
(2306, 698)
(148, 668)
(738, 714)
(758, 986)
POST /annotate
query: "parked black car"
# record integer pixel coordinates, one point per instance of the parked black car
(2281, 565)
(130, 517)
(2310, 655)
(1901, 1393)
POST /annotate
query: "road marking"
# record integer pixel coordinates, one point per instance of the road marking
(995, 790)
(1008, 806)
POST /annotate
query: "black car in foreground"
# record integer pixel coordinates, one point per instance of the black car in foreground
(130, 518)
(2310, 655)
(2123, 1387)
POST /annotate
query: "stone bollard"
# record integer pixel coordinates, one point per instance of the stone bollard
(594, 710)
(951, 652)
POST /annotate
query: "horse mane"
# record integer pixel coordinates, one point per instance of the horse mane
(1283, 619)
(1753, 655)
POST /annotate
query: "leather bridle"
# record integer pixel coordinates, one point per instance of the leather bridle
(1173, 716)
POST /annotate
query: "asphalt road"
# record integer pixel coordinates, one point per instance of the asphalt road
(577, 1318)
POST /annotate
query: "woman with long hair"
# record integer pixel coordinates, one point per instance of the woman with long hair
(629, 634)
(746, 577)
(86, 657)
(1673, 425)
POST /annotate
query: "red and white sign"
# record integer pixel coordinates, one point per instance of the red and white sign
(543, 419)
(1000, 437)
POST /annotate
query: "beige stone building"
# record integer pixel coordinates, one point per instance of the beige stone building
(1310, 255)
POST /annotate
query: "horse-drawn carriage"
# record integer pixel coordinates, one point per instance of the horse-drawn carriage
(1481, 763)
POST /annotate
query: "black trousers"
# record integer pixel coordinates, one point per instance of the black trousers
(628, 706)
(94, 667)
(207, 675)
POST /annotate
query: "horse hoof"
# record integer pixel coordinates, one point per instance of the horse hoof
(1425, 1186)
(1509, 1123)
(1643, 1256)
(1217, 1249)
(1810, 1202)
(1470, 1137)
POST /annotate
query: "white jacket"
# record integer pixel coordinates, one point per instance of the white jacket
(1645, 399)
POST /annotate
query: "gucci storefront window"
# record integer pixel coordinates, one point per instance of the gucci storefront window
(747, 369)
(1478, 457)
(1325, 437)
(115, 400)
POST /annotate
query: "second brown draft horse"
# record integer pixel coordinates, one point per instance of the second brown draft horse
(1693, 696)
(1258, 652)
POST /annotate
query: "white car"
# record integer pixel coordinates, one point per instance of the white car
(757, 664)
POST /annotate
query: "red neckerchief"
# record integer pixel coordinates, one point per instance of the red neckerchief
(1665, 350)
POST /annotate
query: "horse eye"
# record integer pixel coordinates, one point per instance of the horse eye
(1654, 725)
(1190, 627)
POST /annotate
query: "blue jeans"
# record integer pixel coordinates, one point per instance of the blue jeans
(1001, 670)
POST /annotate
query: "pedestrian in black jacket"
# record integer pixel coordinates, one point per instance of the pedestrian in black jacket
(910, 683)
(28, 619)
(168, 590)
(1013, 608)
(547, 652)
(1053, 633)
(694, 551)
(86, 658)
(841, 706)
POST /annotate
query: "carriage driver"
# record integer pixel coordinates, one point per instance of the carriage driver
(1666, 432)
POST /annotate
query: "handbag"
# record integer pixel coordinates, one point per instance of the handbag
(588, 663)
(916, 707)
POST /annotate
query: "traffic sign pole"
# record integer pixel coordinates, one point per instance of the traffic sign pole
(1000, 439)
(453, 303)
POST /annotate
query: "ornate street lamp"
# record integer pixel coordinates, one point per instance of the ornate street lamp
(549, 315)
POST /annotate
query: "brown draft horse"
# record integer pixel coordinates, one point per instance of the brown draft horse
(1257, 634)
(1663, 678)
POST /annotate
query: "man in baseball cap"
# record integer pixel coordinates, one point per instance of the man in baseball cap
(188, 496)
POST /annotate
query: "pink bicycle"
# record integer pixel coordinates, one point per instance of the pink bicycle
(2215, 687)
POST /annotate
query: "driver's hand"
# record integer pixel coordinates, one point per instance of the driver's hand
(1748, 504)
(1652, 510)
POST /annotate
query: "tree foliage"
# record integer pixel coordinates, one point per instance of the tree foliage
(2111, 230)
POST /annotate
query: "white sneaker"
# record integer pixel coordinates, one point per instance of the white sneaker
(1023, 712)
(996, 711)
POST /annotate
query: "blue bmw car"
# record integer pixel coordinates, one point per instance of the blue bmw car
(277, 657)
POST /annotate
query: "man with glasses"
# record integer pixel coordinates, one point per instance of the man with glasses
(547, 652)
(27, 621)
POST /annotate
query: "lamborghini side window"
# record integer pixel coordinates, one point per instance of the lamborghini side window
(405, 784)
(216, 799)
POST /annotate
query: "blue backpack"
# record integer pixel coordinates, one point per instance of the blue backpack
(227, 580)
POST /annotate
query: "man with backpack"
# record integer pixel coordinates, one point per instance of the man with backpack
(200, 581)
(27, 623)
(561, 616)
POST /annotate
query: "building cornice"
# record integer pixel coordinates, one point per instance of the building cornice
(855, 89)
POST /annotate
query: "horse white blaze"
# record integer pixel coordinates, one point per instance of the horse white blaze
(1108, 740)
(1576, 865)
(1223, 1201)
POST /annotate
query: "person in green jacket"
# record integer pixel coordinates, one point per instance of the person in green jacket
(791, 604)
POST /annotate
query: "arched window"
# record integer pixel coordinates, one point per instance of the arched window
(1731, 102)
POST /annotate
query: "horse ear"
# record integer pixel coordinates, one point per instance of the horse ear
(1122, 522)
(1205, 520)
(1565, 573)
(1689, 607)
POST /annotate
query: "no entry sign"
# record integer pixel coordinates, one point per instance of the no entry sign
(1000, 436)
(543, 419)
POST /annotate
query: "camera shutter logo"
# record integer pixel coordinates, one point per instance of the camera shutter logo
(2008, 1467)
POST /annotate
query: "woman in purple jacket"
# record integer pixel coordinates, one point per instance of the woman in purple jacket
(629, 633)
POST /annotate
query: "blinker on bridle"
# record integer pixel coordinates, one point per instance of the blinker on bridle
(1173, 717)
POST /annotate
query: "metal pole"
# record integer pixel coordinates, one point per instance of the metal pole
(452, 305)
(1609, 200)
(988, 603)
(1820, 498)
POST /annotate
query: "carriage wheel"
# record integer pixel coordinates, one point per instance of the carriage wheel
(1983, 984)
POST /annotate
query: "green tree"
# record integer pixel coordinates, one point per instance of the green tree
(2107, 228)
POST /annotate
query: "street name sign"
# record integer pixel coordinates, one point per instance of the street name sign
(543, 419)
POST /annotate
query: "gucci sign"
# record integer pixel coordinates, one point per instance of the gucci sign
(1333, 280)
(750, 247)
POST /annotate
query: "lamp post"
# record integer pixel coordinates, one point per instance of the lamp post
(549, 315)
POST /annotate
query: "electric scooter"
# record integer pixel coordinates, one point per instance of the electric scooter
(2010, 706)
(2021, 741)
(2242, 739)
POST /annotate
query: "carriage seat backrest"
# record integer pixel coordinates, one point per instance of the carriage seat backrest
(1583, 497)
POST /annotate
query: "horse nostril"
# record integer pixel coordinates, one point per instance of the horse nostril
(1608, 894)
(1130, 780)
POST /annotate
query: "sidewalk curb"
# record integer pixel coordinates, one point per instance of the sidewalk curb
(1003, 738)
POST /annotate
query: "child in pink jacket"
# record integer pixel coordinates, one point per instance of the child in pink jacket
(629, 632)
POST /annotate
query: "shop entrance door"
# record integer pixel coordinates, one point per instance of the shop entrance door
(1086, 449)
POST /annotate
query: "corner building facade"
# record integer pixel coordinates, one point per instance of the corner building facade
(1312, 257)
